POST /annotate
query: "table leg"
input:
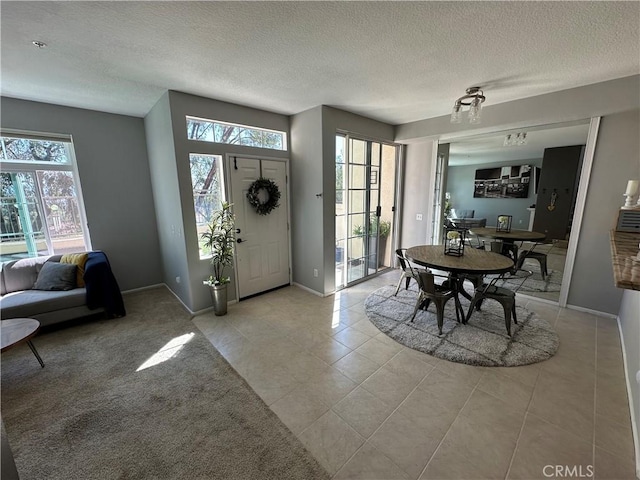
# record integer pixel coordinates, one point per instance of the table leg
(456, 286)
(510, 249)
(35, 352)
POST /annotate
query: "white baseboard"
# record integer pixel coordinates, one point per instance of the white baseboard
(537, 299)
(161, 285)
(311, 290)
(209, 309)
(593, 312)
(630, 382)
(141, 289)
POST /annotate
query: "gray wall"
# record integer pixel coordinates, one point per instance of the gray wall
(114, 173)
(415, 194)
(460, 184)
(306, 209)
(190, 267)
(166, 195)
(630, 326)
(616, 160)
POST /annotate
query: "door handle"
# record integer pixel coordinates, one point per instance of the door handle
(237, 230)
(239, 240)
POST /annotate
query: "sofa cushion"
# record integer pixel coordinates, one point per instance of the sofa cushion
(78, 259)
(56, 276)
(32, 302)
(22, 274)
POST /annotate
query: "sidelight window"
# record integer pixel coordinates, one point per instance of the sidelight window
(207, 181)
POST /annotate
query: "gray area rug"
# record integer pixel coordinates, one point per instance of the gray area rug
(483, 341)
(535, 283)
(93, 413)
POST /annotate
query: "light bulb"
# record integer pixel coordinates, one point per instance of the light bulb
(522, 138)
(456, 113)
(475, 110)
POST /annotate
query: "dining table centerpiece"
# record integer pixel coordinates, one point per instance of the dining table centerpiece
(454, 241)
(504, 223)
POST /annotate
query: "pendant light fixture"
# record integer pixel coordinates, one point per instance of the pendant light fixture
(474, 100)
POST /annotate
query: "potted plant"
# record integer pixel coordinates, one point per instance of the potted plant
(376, 225)
(219, 239)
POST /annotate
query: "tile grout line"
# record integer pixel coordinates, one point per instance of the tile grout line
(475, 387)
(366, 439)
(524, 420)
(385, 420)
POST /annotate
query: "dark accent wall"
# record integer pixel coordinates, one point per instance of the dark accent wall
(111, 154)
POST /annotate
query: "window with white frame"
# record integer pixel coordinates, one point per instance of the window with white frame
(41, 208)
(207, 181)
(233, 134)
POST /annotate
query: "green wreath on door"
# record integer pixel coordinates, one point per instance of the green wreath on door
(272, 193)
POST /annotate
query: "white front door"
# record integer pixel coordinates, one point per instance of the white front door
(262, 251)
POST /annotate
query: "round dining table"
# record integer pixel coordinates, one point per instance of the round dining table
(509, 238)
(474, 261)
(472, 265)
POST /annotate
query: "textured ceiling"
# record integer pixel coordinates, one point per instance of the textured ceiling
(392, 61)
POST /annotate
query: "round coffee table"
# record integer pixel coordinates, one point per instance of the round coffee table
(18, 330)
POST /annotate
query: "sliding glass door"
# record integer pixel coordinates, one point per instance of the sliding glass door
(365, 207)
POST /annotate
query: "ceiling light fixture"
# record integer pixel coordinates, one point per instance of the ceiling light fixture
(39, 44)
(515, 139)
(473, 99)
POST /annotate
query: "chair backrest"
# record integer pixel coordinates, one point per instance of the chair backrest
(511, 280)
(496, 246)
(426, 282)
(402, 259)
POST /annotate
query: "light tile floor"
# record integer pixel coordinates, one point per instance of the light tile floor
(369, 408)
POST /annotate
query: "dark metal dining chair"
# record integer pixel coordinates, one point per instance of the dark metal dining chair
(430, 291)
(502, 294)
(541, 257)
(504, 248)
(408, 272)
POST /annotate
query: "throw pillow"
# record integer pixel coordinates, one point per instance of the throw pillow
(78, 259)
(56, 276)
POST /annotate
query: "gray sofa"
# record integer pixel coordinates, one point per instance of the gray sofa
(465, 219)
(19, 299)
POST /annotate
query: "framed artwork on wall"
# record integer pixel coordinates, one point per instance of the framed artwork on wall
(502, 182)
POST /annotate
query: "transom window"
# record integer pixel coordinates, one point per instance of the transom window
(233, 134)
(41, 209)
(207, 181)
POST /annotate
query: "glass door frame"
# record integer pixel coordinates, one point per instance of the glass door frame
(342, 253)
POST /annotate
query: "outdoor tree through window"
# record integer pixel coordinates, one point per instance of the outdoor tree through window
(40, 205)
(228, 133)
(207, 181)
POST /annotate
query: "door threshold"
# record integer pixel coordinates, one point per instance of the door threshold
(264, 291)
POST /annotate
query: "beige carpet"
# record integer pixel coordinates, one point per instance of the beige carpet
(90, 414)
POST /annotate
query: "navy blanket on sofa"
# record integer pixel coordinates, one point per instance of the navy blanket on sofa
(102, 287)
